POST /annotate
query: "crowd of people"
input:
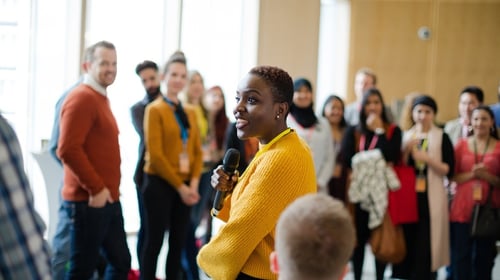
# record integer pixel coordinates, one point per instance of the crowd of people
(273, 222)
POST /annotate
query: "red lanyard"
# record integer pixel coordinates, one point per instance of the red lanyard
(362, 142)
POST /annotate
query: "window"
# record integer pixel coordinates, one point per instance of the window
(10, 41)
(219, 38)
(41, 45)
(212, 34)
(333, 54)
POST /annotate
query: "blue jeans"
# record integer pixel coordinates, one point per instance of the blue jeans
(61, 248)
(94, 230)
(61, 245)
(472, 258)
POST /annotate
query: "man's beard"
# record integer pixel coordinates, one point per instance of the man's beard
(153, 91)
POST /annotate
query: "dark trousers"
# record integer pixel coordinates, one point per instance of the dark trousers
(362, 236)
(417, 263)
(140, 233)
(472, 258)
(449, 268)
(164, 210)
(95, 230)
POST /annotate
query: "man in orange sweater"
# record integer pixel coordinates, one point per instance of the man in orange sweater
(89, 150)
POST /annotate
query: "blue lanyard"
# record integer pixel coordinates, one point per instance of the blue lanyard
(184, 131)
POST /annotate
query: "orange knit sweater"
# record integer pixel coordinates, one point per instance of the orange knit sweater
(88, 145)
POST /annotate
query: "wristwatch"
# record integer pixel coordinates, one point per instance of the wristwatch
(379, 131)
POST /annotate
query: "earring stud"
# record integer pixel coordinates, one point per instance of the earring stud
(277, 116)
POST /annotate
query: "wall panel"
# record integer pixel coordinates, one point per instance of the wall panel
(288, 36)
(463, 49)
(467, 51)
(384, 38)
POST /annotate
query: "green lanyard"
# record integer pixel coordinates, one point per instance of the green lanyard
(421, 165)
(484, 152)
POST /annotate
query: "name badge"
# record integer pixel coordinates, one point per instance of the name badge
(184, 163)
(477, 192)
(421, 184)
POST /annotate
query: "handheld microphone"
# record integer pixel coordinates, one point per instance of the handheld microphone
(229, 164)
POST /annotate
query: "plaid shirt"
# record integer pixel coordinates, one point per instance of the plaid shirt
(24, 254)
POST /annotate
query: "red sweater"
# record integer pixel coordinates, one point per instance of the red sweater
(88, 145)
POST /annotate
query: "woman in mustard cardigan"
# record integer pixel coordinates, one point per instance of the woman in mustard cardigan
(172, 172)
(280, 172)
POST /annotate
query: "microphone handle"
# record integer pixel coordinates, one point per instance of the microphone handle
(218, 202)
(219, 197)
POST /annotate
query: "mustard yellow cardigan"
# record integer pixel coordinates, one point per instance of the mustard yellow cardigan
(272, 181)
(162, 137)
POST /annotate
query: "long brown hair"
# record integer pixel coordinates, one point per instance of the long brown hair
(221, 121)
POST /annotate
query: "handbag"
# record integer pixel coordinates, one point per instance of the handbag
(403, 202)
(388, 242)
(486, 220)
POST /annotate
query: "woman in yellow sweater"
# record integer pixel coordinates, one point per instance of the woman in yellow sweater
(280, 172)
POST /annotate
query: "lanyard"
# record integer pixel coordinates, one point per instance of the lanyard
(484, 152)
(423, 147)
(184, 131)
(266, 147)
(362, 142)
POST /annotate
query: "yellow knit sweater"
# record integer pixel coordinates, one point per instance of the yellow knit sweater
(272, 181)
(162, 137)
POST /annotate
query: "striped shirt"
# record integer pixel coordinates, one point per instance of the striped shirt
(24, 254)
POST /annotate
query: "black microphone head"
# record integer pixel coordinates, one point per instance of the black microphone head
(231, 160)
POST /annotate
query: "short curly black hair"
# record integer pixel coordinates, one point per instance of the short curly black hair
(278, 79)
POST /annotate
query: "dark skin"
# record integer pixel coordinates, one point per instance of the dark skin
(257, 115)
